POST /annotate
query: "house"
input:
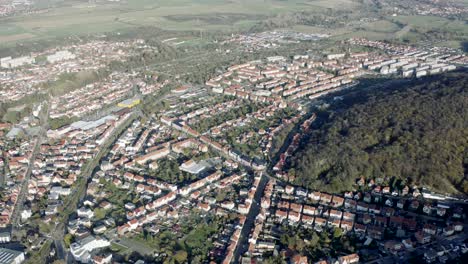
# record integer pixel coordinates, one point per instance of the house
(289, 189)
(405, 190)
(350, 204)
(204, 206)
(386, 190)
(349, 259)
(414, 205)
(320, 221)
(374, 209)
(281, 215)
(347, 225)
(307, 219)
(441, 211)
(348, 216)
(361, 206)
(366, 219)
(388, 211)
(358, 196)
(315, 196)
(296, 207)
(337, 201)
(301, 192)
(294, 216)
(449, 230)
(408, 243)
(298, 259)
(458, 212)
(377, 190)
(422, 237)
(427, 208)
(458, 226)
(85, 212)
(335, 214)
(361, 181)
(376, 232)
(360, 228)
(400, 204)
(430, 229)
(393, 246)
(325, 199)
(367, 197)
(396, 221)
(430, 255)
(410, 224)
(381, 221)
(309, 210)
(389, 202)
(102, 259)
(334, 222)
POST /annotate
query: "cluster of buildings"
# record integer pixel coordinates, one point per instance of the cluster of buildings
(161, 204)
(101, 94)
(398, 221)
(10, 7)
(261, 138)
(92, 97)
(14, 164)
(278, 168)
(44, 172)
(409, 61)
(271, 39)
(29, 74)
(278, 79)
(447, 9)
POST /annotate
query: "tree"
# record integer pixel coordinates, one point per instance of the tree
(180, 256)
(68, 239)
(413, 133)
(337, 232)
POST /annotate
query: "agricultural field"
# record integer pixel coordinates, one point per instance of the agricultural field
(65, 18)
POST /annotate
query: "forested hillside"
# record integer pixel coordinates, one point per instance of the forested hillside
(416, 133)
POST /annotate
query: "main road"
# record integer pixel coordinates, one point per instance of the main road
(15, 217)
(79, 191)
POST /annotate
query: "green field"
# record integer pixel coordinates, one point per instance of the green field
(78, 18)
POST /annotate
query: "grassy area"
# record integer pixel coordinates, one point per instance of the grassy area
(118, 248)
(41, 255)
(76, 19)
(384, 26)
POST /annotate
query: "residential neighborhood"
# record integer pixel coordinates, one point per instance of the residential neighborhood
(107, 156)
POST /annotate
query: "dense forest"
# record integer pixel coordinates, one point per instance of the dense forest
(415, 133)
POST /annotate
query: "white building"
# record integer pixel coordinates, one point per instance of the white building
(8, 256)
(85, 212)
(26, 214)
(335, 56)
(61, 56)
(82, 249)
(9, 62)
(5, 237)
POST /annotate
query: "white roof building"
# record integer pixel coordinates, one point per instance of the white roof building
(82, 249)
(8, 256)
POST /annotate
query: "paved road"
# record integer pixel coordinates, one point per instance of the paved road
(15, 218)
(79, 192)
(243, 243)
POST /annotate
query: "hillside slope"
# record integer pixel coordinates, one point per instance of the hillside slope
(415, 134)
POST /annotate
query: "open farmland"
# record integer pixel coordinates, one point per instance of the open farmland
(82, 18)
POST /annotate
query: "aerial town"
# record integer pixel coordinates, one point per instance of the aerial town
(107, 156)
